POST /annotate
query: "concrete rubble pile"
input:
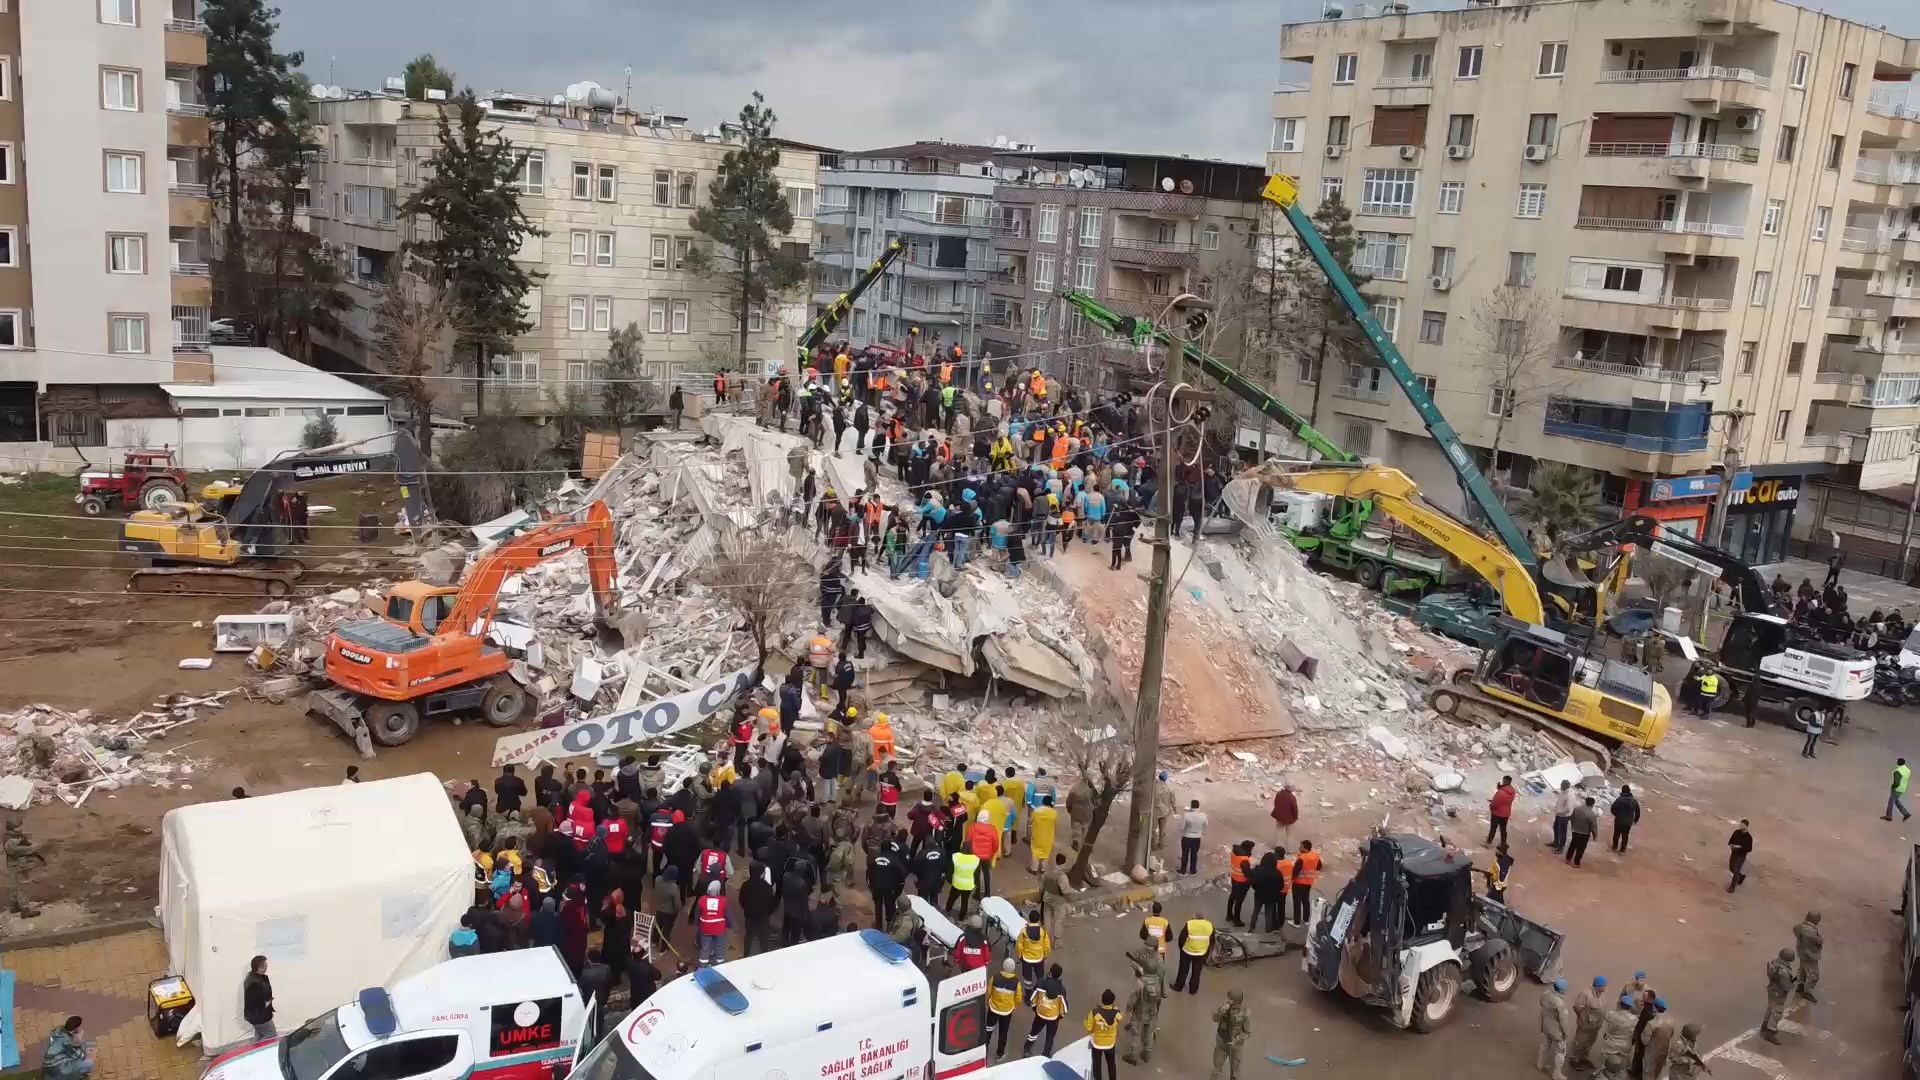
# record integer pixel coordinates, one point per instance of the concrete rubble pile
(48, 753)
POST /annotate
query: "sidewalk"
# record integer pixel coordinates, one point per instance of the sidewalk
(1864, 591)
(103, 981)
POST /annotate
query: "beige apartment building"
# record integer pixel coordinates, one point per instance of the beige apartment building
(612, 190)
(104, 211)
(1717, 202)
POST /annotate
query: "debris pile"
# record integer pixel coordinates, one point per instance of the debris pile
(48, 753)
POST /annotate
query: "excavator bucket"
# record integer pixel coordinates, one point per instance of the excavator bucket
(1537, 943)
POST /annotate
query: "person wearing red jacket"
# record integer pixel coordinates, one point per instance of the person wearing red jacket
(580, 820)
(972, 952)
(1500, 808)
(984, 841)
(617, 832)
(742, 738)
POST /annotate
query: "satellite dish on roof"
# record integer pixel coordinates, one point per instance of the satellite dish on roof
(1186, 187)
(1166, 183)
(1076, 178)
(317, 92)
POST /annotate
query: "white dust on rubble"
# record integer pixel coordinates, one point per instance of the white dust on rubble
(48, 753)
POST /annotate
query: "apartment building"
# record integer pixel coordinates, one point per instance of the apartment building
(1133, 230)
(1718, 204)
(935, 198)
(613, 191)
(104, 210)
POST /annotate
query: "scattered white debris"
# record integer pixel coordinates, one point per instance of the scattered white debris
(196, 663)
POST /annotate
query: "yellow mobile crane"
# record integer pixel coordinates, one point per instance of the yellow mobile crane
(1529, 673)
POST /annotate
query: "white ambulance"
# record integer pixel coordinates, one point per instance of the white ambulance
(502, 1016)
(848, 1007)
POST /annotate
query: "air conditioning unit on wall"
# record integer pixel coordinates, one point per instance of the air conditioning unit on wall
(1334, 152)
(1439, 283)
(1458, 152)
(1409, 153)
(1537, 152)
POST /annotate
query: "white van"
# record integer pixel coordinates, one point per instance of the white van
(848, 1007)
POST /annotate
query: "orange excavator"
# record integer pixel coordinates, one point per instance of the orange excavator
(428, 655)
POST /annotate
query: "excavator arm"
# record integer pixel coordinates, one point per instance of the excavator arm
(1647, 532)
(832, 315)
(1396, 495)
(253, 507)
(592, 532)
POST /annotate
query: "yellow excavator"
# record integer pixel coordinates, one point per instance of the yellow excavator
(1530, 673)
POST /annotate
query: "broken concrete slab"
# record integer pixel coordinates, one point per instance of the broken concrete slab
(16, 792)
(240, 633)
(1296, 659)
(1390, 744)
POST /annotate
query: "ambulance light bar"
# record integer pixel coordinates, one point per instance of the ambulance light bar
(888, 949)
(721, 991)
(376, 1008)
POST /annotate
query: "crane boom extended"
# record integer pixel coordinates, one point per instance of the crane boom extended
(1139, 331)
(831, 317)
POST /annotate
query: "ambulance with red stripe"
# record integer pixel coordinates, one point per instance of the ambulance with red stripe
(502, 1016)
(848, 1007)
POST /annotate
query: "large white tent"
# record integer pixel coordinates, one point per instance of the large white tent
(341, 888)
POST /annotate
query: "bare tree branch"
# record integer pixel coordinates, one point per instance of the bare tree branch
(764, 579)
(416, 323)
(1102, 756)
(1516, 337)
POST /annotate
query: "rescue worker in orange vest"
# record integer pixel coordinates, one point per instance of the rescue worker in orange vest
(1285, 865)
(946, 373)
(819, 658)
(1306, 871)
(1003, 995)
(720, 387)
(1196, 941)
(1155, 929)
(882, 735)
(1103, 1024)
(1237, 864)
(709, 914)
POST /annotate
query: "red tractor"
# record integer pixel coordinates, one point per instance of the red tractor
(147, 478)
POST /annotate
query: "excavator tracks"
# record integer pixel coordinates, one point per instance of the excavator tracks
(1462, 700)
(256, 581)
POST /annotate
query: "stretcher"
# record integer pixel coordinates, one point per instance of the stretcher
(1002, 917)
(1240, 946)
(942, 934)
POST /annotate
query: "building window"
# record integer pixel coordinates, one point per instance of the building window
(603, 313)
(576, 313)
(1339, 129)
(1428, 383)
(1822, 218)
(1090, 226)
(1533, 201)
(1452, 194)
(1520, 269)
(1210, 238)
(1357, 437)
(1443, 262)
(1433, 328)
(1085, 273)
(1382, 255)
(1389, 191)
(1783, 149)
(663, 187)
(9, 328)
(1848, 73)
(1542, 129)
(1783, 419)
(1346, 68)
(683, 189)
(1836, 146)
(1332, 187)
(1468, 66)
(1460, 129)
(1553, 59)
(127, 333)
(682, 317)
(9, 246)
(126, 254)
(1286, 134)
(658, 259)
(1421, 67)
(1622, 279)
(120, 89)
(6, 163)
(1386, 312)
(1762, 285)
(1048, 229)
(518, 368)
(120, 12)
(1796, 357)
(1040, 321)
(1809, 289)
(123, 172)
(608, 183)
(1797, 74)
(533, 173)
(1500, 402)
(6, 77)
(1770, 217)
(1043, 273)
(682, 251)
(656, 316)
(582, 247)
(757, 319)
(603, 249)
(800, 201)
(583, 179)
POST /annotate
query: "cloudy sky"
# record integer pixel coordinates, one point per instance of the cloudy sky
(1187, 77)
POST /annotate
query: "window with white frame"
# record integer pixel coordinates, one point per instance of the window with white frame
(1085, 273)
(1553, 59)
(6, 78)
(1039, 321)
(520, 368)
(1468, 66)
(1286, 134)
(1306, 370)
(1382, 255)
(1210, 238)
(1047, 229)
(1428, 383)
(1520, 269)
(1433, 327)
(756, 319)
(530, 306)
(603, 249)
(1333, 187)
(1420, 66)
(1770, 218)
(1849, 74)
(1500, 402)
(1762, 285)
(1809, 289)
(1386, 312)
(658, 258)
(10, 322)
(1442, 261)
(682, 251)
(123, 172)
(532, 178)
(583, 179)
(1090, 226)
(1533, 201)
(603, 313)
(1453, 193)
(800, 201)
(663, 187)
(127, 333)
(582, 248)
(1339, 130)
(1389, 191)
(682, 317)
(1822, 220)
(1043, 273)
(656, 316)
(120, 12)
(120, 89)
(9, 246)
(683, 189)
(576, 313)
(607, 183)
(1797, 74)
(1346, 68)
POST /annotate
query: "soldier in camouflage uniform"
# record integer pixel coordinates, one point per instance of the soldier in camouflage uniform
(1683, 1058)
(1780, 982)
(1054, 890)
(1232, 1025)
(1143, 1006)
(1807, 942)
(1556, 1023)
(1615, 1068)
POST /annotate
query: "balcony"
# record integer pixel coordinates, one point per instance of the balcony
(192, 329)
(1152, 253)
(1372, 395)
(1687, 228)
(1703, 151)
(1643, 427)
(1870, 240)
(1714, 87)
(1838, 447)
(1629, 368)
(1400, 91)
(1895, 106)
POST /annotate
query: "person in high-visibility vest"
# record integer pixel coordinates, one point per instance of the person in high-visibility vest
(960, 888)
(1155, 929)
(1901, 774)
(1103, 1024)
(1049, 1002)
(1284, 865)
(1196, 941)
(946, 373)
(1709, 689)
(709, 914)
(1033, 945)
(1306, 871)
(882, 735)
(720, 387)
(1003, 995)
(1237, 864)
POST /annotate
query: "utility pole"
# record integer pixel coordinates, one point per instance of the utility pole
(1717, 517)
(1146, 721)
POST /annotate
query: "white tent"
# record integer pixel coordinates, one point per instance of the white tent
(340, 887)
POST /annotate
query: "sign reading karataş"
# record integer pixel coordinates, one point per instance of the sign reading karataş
(653, 720)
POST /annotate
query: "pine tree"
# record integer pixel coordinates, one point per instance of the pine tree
(248, 87)
(745, 216)
(1321, 328)
(471, 203)
(623, 398)
(424, 73)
